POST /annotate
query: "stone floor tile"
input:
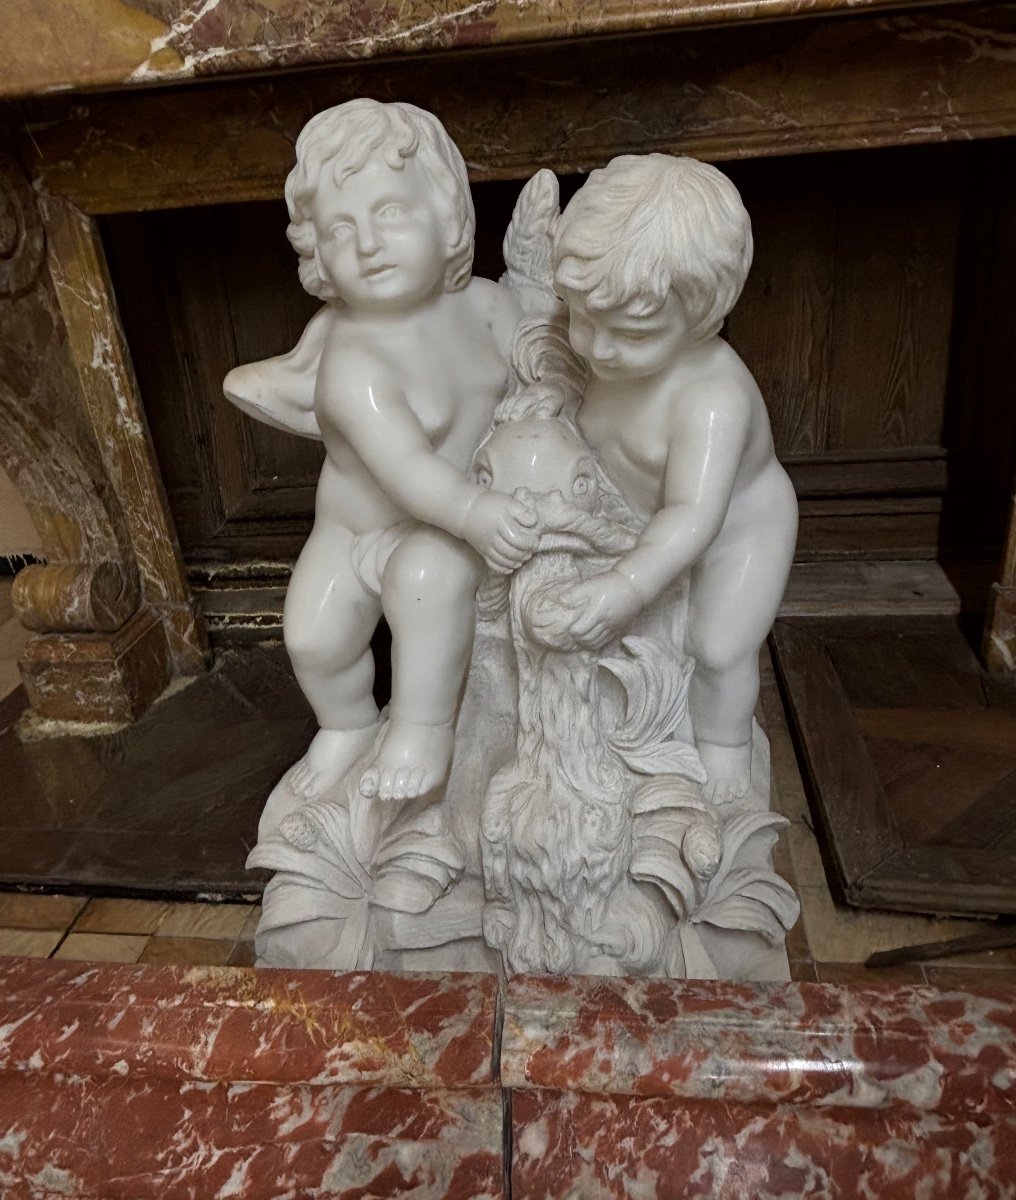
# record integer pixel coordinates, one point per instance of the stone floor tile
(39, 912)
(857, 974)
(849, 935)
(102, 947)
(797, 942)
(187, 951)
(958, 978)
(205, 921)
(250, 926)
(29, 943)
(809, 869)
(109, 914)
(242, 955)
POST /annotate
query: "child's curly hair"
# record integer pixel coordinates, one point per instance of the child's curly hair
(648, 224)
(342, 139)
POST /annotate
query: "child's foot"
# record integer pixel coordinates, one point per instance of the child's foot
(328, 758)
(412, 760)
(728, 771)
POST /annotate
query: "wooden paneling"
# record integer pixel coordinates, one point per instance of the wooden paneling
(847, 321)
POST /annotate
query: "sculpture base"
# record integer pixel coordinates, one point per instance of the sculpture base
(130, 1083)
(110, 678)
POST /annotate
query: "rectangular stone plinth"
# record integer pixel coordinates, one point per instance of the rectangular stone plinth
(123, 1083)
(98, 677)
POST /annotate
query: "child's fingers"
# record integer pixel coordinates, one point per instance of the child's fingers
(524, 514)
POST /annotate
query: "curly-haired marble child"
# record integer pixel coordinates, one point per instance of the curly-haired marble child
(562, 493)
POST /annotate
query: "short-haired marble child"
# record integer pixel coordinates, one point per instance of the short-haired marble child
(650, 255)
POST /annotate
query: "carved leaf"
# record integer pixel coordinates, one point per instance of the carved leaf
(696, 961)
(404, 891)
(763, 827)
(657, 860)
(319, 865)
(751, 899)
(668, 792)
(655, 681)
(292, 899)
(528, 242)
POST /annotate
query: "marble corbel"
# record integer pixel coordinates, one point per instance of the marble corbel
(110, 607)
(1000, 628)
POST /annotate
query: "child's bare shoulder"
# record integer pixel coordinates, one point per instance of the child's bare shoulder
(498, 307)
(714, 385)
(352, 359)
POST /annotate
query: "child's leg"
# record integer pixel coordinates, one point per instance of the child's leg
(328, 622)
(735, 592)
(428, 594)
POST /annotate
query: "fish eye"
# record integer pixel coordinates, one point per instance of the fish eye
(484, 476)
(581, 485)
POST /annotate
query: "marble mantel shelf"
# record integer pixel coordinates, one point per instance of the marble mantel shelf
(126, 43)
(129, 1082)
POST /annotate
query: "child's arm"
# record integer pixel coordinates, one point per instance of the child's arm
(707, 436)
(357, 394)
(280, 391)
(706, 439)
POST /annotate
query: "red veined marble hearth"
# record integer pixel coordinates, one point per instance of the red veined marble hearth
(125, 1082)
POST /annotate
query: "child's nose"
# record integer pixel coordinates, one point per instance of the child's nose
(367, 240)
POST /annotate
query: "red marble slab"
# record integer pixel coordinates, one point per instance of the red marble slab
(129, 1082)
(227, 1023)
(156, 1139)
(580, 1146)
(803, 1044)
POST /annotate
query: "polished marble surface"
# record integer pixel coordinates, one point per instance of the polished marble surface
(168, 805)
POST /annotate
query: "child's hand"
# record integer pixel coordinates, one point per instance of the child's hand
(502, 530)
(603, 605)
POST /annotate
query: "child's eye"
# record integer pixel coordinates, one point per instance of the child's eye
(340, 230)
(392, 212)
(633, 336)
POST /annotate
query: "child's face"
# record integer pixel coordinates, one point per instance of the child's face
(618, 345)
(380, 240)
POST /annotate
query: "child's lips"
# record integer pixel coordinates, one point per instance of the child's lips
(380, 269)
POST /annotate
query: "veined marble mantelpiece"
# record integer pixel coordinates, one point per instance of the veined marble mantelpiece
(124, 1082)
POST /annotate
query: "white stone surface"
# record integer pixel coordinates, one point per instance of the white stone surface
(561, 492)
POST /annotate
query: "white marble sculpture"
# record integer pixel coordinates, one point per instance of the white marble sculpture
(561, 491)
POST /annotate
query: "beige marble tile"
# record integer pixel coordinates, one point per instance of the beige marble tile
(102, 947)
(187, 951)
(250, 926)
(961, 978)
(242, 955)
(858, 975)
(849, 935)
(809, 869)
(39, 912)
(205, 920)
(29, 943)
(112, 915)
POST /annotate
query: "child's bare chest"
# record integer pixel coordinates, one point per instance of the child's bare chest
(452, 384)
(630, 437)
